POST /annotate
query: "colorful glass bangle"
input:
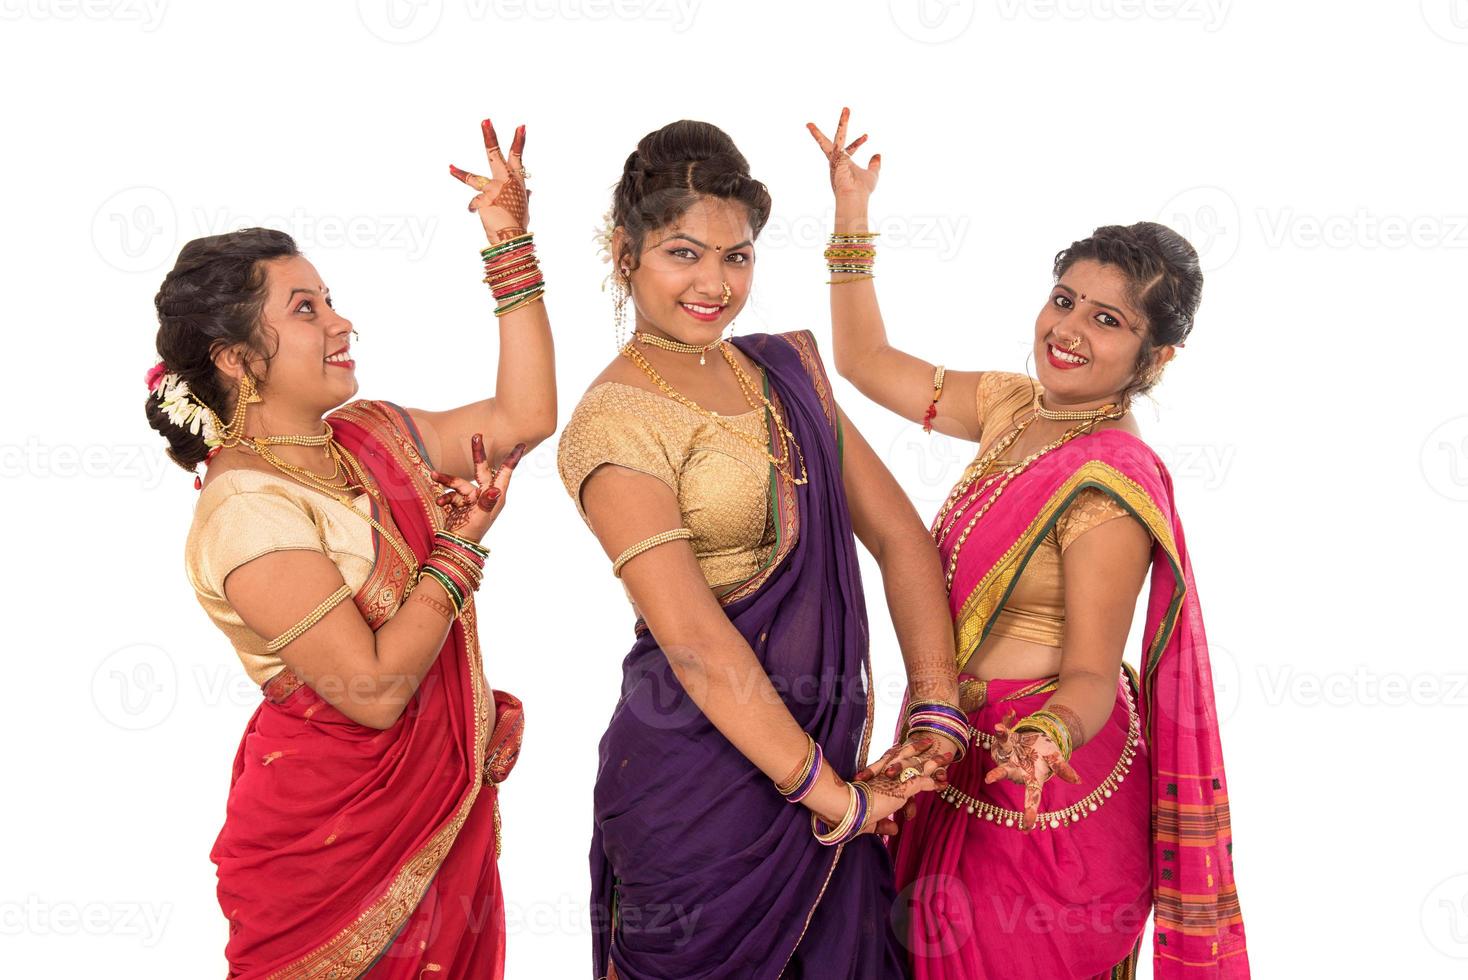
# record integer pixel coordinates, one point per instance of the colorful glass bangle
(805, 780)
(455, 596)
(851, 823)
(473, 546)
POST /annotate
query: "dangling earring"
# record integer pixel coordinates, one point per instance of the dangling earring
(619, 308)
(247, 395)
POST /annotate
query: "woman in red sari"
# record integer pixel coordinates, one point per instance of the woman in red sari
(362, 828)
(1010, 872)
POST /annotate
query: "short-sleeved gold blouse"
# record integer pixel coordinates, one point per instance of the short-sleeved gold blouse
(243, 514)
(1035, 609)
(722, 482)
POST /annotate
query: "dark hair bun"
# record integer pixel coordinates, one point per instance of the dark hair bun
(210, 299)
(671, 169)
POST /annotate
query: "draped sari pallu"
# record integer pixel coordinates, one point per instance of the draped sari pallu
(700, 870)
(349, 851)
(1070, 898)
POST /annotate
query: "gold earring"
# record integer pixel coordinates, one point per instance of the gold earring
(619, 308)
(246, 395)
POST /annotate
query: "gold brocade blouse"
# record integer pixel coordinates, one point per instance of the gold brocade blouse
(243, 514)
(722, 482)
(1035, 610)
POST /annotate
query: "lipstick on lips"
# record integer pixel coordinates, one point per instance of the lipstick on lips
(340, 361)
(705, 313)
(1064, 359)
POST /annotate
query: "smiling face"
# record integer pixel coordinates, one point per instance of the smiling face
(1088, 337)
(678, 284)
(312, 371)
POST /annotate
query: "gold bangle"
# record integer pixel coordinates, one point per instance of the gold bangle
(312, 618)
(938, 382)
(662, 537)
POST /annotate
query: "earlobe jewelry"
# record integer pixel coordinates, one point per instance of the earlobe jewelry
(619, 307)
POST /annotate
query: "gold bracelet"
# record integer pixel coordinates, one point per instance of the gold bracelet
(662, 537)
(312, 618)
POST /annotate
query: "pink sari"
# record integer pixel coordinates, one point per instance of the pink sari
(1149, 824)
(348, 851)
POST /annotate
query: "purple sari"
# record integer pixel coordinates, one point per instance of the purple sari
(699, 869)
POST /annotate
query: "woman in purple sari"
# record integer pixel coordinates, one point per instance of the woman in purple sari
(1046, 541)
(726, 484)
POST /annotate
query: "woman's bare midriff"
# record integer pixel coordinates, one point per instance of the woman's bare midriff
(1012, 658)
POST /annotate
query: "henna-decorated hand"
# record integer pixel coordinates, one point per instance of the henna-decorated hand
(890, 794)
(849, 181)
(924, 751)
(503, 201)
(1028, 758)
(470, 508)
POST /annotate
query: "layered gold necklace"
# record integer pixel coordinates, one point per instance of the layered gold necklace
(344, 467)
(951, 510)
(789, 447)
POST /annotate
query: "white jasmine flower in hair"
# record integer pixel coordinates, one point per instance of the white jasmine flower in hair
(603, 237)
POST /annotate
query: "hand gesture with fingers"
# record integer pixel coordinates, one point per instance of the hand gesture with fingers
(503, 200)
(470, 508)
(849, 180)
(925, 754)
(1028, 758)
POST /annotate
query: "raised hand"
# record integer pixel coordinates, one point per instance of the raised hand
(470, 508)
(503, 201)
(1028, 758)
(849, 180)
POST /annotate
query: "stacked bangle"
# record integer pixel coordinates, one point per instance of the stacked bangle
(513, 273)
(939, 718)
(851, 823)
(932, 411)
(457, 564)
(1051, 721)
(803, 780)
(851, 256)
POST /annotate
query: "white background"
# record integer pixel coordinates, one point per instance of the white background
(1316, 423)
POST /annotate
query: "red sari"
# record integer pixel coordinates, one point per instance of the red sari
(348, 851)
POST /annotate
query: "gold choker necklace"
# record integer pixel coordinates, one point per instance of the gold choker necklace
(677, 346)
(1110, 412)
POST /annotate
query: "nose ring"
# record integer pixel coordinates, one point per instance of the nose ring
(1073, 344)
(727, 292)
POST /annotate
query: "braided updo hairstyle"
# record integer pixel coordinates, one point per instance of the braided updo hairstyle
(669, 171)
(1165, 283)
(211, 299)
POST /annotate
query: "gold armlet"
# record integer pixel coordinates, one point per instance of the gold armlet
(311, 619)
(662, 537)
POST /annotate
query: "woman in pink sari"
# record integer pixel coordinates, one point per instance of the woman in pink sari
(362, 828)
(1101, 794)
